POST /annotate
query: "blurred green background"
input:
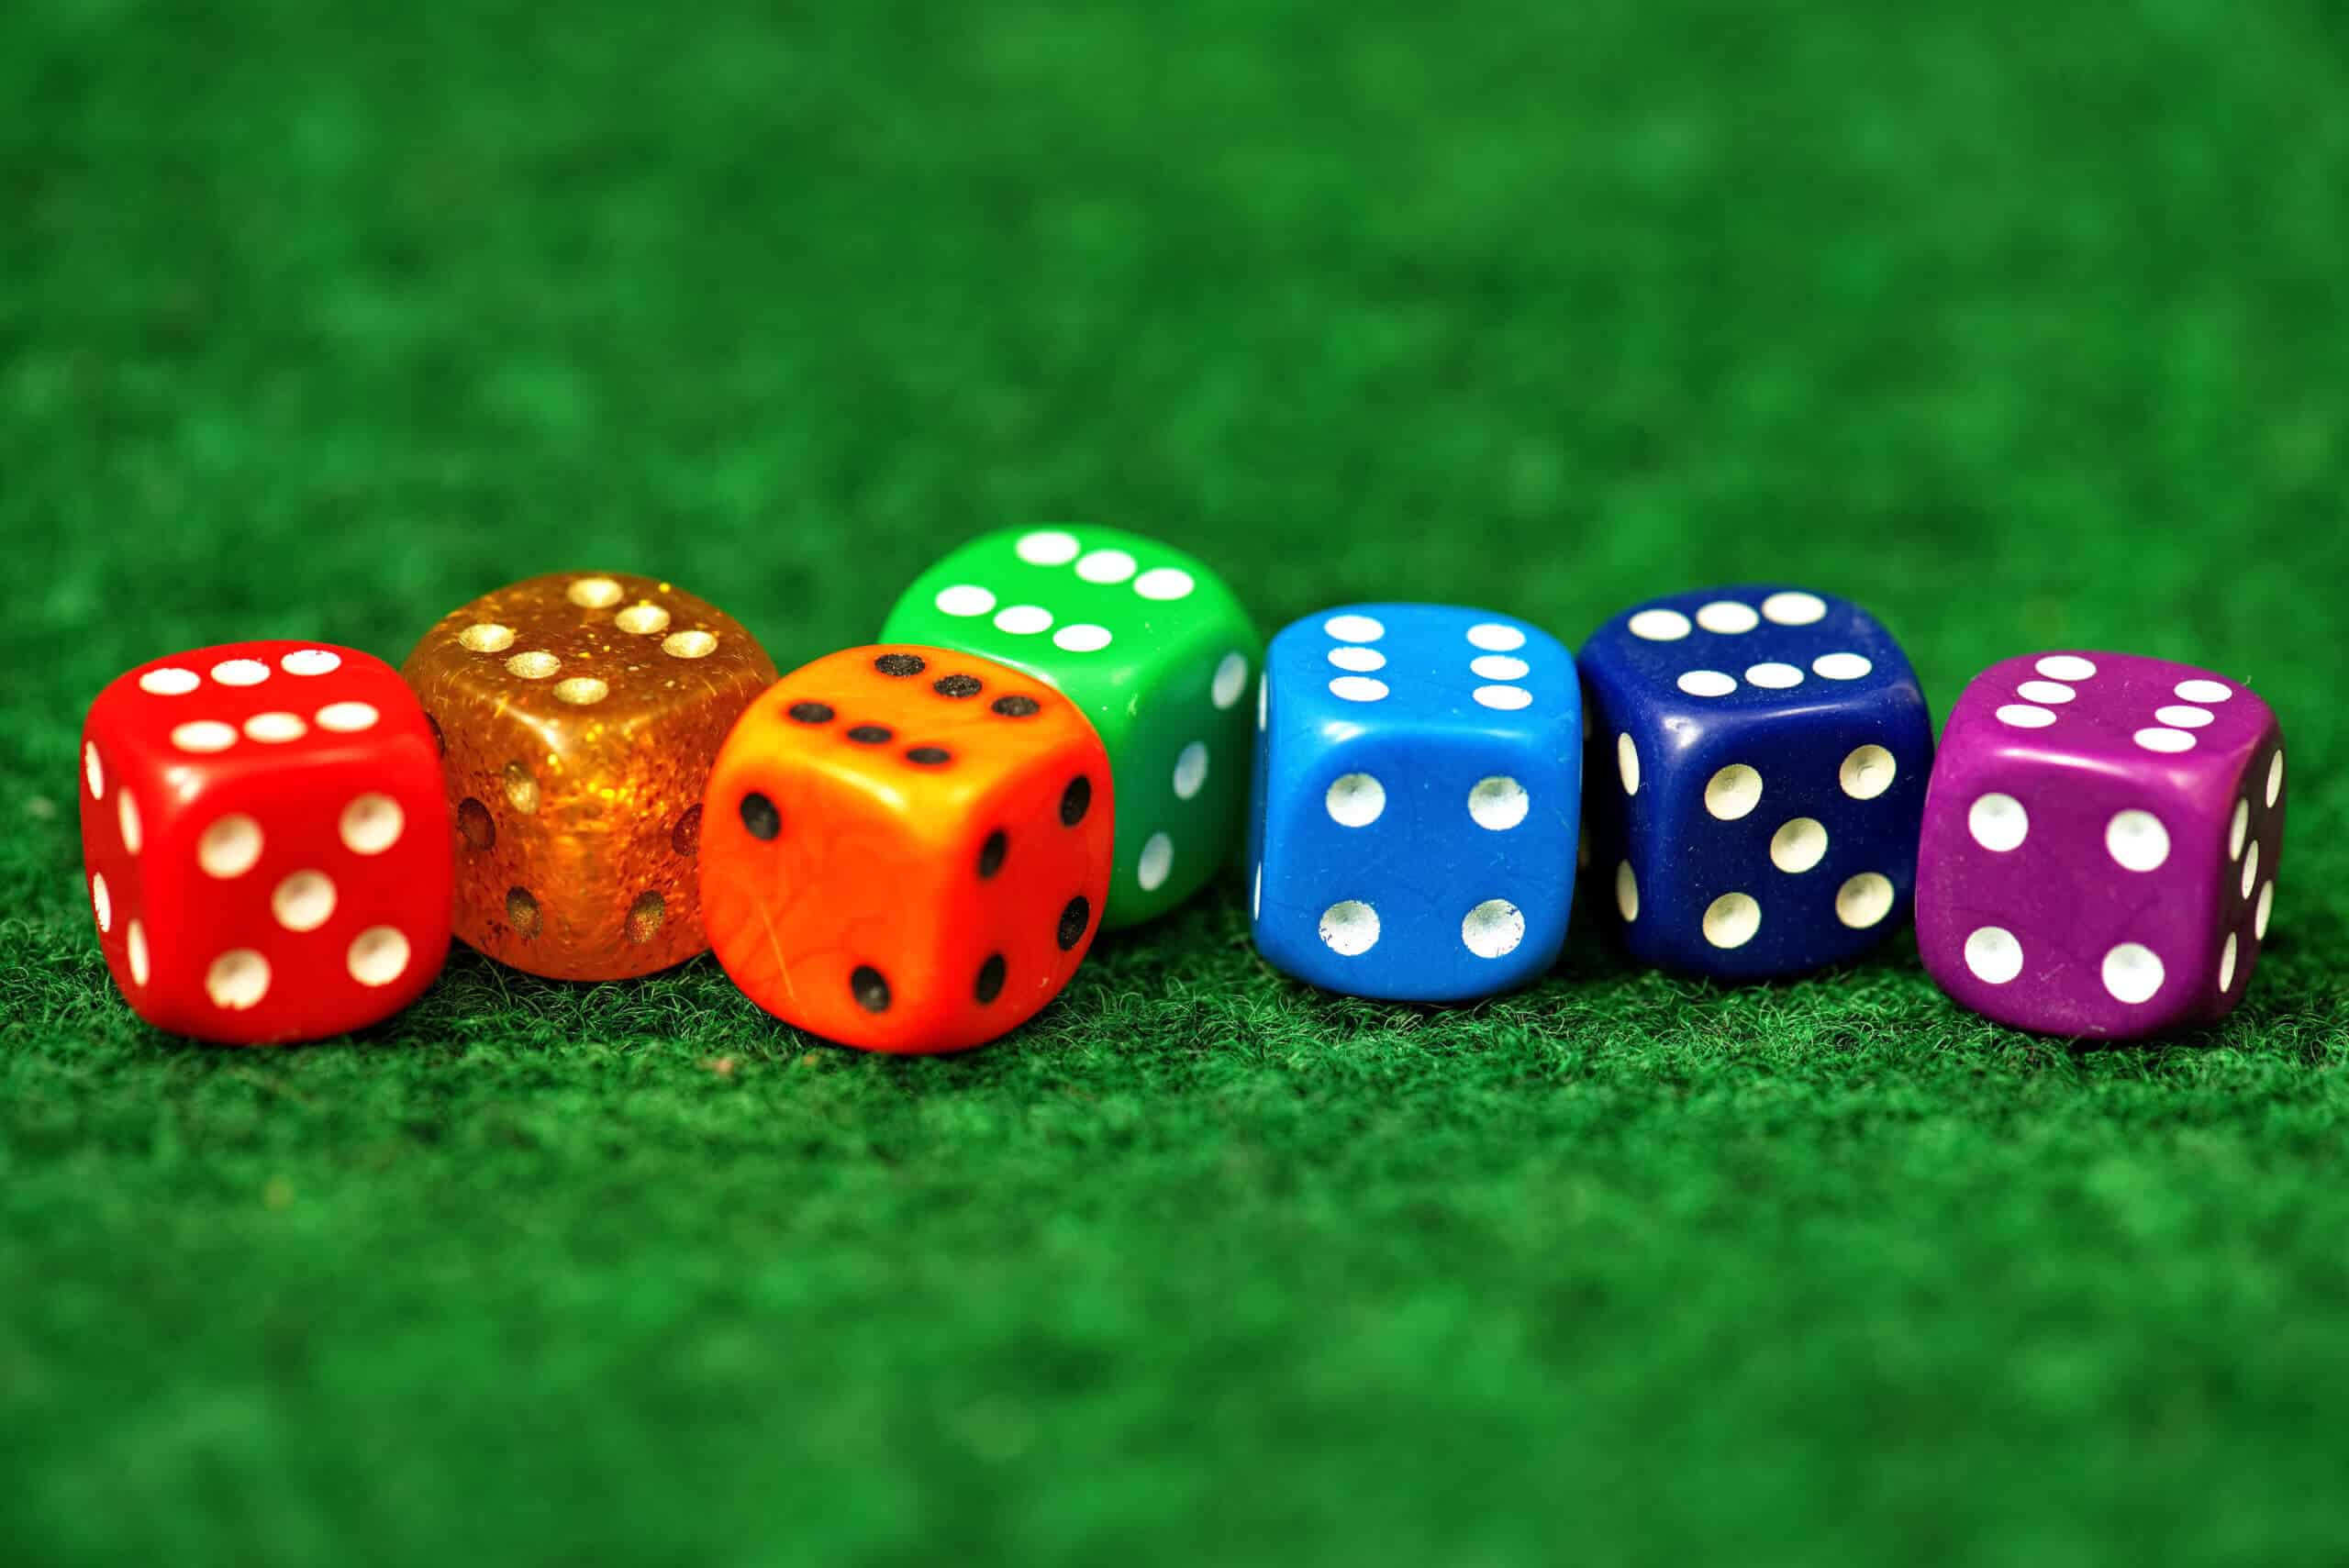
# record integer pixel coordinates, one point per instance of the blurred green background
(2024, 324)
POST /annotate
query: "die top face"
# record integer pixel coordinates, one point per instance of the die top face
(211, 715)
(1717, 656)
(1099, 612)
(2101, 847)
(927, 734)
(2111, 713)
(264, 836)
(586, 660)
(1416, 794)
(580, 712)
(907, 848)
(1359, 668)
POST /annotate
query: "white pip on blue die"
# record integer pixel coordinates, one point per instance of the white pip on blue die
(1757, 779)
(1416, 797)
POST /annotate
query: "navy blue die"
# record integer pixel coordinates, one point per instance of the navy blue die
(1757, 779)
(1417, 791)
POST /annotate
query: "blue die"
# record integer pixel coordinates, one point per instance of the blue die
(1418, 788)
(1757, 779)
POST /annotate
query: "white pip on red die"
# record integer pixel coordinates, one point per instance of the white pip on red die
(266, 841)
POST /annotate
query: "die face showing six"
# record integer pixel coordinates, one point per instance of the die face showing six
(906, 848)
(265, 841)
(1757, 771)
(581, 713)
(1417, 784)
(2100, 845)
(1151, 647)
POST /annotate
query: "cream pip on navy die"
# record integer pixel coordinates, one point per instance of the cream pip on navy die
(1757, 771)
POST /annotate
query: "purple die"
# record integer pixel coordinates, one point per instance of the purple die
(2101, 844)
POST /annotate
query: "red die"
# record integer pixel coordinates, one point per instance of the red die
(267, 840)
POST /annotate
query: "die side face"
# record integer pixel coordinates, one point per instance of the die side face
(581, 713)
(1757, 771)
(265, 841)
(2100, 848)
(1155, 650)
(907, 848)
(1416, 797)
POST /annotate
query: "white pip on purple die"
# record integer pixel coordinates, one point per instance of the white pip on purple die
(1757, 771)
(2100, 845)
(1416, 796)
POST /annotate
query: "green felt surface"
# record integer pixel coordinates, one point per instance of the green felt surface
(2022, 323)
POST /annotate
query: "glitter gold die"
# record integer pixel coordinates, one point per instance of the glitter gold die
(579, 713)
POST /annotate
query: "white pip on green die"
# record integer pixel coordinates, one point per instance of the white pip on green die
(1154, 648)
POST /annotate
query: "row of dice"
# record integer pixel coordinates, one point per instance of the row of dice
(1750, 773)
(910, 846)
(594, 777)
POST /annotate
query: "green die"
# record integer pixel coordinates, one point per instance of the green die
(1155, 650)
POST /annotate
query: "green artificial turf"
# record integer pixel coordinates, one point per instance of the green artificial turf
(2024, 324)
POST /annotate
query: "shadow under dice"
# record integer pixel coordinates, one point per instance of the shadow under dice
(907, 848)
(1156, 653)
(2100, 845)
(580, 713)
(1417, 790)
(1757, 771)
(266, 842)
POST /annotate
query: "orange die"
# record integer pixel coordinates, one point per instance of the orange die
(906, 849)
